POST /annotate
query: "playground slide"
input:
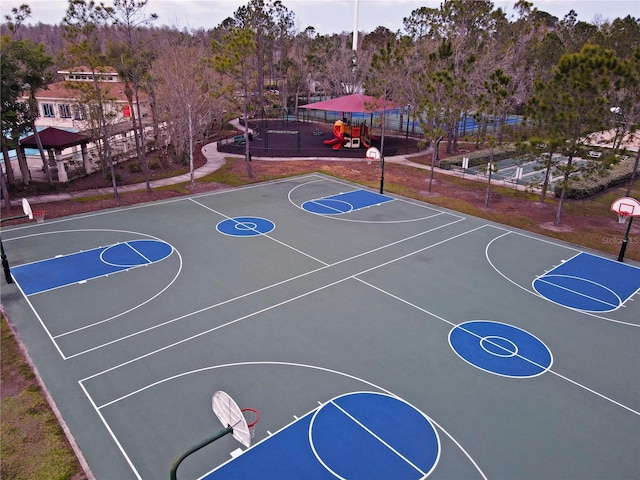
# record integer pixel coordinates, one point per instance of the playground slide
(337, 141)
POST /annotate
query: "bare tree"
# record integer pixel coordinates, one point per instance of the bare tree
(82, 21)
(234, 57)
(184, 89)
(128, 17)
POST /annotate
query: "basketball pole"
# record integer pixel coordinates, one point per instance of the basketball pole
(5, 261)
(382, 174)
(625, 240)
(195, 448)
(5, 265)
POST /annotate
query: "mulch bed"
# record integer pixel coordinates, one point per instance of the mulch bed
(285, 145)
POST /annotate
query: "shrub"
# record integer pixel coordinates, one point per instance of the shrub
(604, 178)
(108, 178)
(134, 168)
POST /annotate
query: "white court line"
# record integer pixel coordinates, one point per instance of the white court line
(173, 280)
(297, 277)
(604, 397)
(405, 459)
(532, 292)
(266, 308)
(146, 205)
(263, 234)
(380, 222)
(89, 230)
(139, 252)
(318, 202)
(110, 431)
(577, 292)
(42, 323)
(263, 363)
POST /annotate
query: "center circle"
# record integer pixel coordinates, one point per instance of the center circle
(246, 226)
(500, 349)
(499, 346)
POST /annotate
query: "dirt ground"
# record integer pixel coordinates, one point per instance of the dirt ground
(586, 222)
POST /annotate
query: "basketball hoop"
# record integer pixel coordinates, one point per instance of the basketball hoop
(39, 216)
(373, 155)
(625, 207)
(239, 423)
(242, 422)
(252, 416)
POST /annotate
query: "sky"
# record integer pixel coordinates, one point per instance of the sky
(326, 16)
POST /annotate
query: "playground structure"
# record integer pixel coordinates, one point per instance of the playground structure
(349, 136)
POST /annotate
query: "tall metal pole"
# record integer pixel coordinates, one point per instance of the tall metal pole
(623, 247)
(354, 44)
(406, 138)
(195, 448)
(5, 261)
(5, 265)
(382, 174)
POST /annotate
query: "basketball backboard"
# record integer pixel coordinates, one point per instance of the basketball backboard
(26, 208)
(373, 154)
(230, 415)
(626, 206)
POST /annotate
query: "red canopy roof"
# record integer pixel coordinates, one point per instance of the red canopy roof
(353, 103)
(56, 138)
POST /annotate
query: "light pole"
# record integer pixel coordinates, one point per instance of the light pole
(406, 138)
(617, 111)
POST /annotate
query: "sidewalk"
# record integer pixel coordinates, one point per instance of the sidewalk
(215, 160)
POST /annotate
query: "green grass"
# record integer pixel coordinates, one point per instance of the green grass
(33, 445)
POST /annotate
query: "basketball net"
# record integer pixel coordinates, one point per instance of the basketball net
(622, 218)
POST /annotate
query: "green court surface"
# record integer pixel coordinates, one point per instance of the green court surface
(291, 293)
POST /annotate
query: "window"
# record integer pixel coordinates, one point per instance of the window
(65, 110)
(79, 113)
(48, 111)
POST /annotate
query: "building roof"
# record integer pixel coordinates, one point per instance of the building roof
(61, 91)
(356, 103)
(85, 69)
(55, 138)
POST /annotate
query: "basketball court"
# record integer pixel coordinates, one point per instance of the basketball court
(376, 337)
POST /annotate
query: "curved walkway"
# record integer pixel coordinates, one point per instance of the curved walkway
(215, 160)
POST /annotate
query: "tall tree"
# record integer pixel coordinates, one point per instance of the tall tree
(575, 102)
(36, 63)
(272, 25)
(381, 82)
(128, 17)
(82, 23)
(495, 100)
(435, 93)
(234, 57)
(31, 64)
(183, 82)
(13, 110)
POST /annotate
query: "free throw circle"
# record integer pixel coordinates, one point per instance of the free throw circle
(245, 226)
(500, 349)
(327, 206)
(577, 293)
(374, 436)
(135, 253)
